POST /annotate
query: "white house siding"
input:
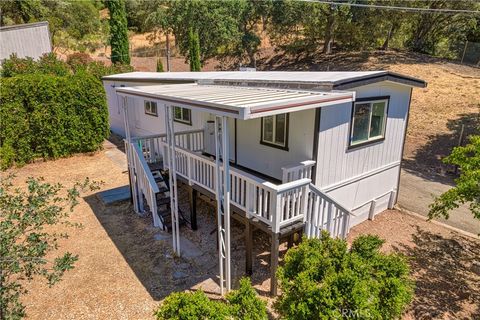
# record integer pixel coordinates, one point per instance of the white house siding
(28, 40)
(269, 160)
(357, 176)
(142, 124)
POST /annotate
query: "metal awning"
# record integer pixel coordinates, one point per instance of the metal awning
(236, 101)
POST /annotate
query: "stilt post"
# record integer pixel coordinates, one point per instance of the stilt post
(172, 173)
(222, 170)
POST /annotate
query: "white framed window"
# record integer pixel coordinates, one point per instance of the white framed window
(151, 108)
(274, 131)
(183, 115)
(369, 117)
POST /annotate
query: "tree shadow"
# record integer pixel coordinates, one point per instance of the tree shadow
(149, 252)
(447, 276)
(427, 160)
(278, 60)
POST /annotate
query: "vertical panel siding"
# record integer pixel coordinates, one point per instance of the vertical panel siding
(336, 163)
(29, 41)
(270, 160)
(141, 123)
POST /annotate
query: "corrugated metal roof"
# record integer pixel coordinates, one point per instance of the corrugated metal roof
(238, 102)
(329, 79)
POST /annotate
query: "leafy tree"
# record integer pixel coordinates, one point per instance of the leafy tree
(73, 24)
(467, 188)
(322, 279)
(118, 32)
(216, 23)
(26, 215)
(427, 31)
(159, 65)
(194, 51)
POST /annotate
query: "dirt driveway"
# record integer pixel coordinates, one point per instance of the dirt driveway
(126, 267)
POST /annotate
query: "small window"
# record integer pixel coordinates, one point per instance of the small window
(275, 131)
(151, 108)
(183, 115)
(368, 121)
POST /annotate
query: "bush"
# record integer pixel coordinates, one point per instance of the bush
(45, 116)
(47, 64)
(78, 60)
(245, 304)
(186, 305)
(50, 64)
(322, 279)
(241, 304)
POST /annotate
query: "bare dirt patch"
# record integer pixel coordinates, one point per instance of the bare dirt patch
(444, 264)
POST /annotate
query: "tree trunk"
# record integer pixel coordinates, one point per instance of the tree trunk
(329, 29)
(167, 36)
(389, 36)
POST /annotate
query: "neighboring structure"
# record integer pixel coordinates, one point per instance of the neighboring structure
(25, 40)
(308, 150)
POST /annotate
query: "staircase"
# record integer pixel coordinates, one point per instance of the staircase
(163, 199)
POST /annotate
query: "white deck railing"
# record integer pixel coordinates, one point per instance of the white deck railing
(260, 199)
(300, 171)
(276, 205)
(145, 182)
(152, 145)
(324, 213)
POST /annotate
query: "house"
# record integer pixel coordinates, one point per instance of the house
(307, 151)
(25, 40)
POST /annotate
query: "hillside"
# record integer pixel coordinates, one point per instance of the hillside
(452, 97)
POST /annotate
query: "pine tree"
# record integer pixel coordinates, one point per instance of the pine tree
(118, 32)
(194, 51)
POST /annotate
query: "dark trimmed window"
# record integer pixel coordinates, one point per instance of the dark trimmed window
(183, 115)
(274, 131)
(151, 108)
(368, 121)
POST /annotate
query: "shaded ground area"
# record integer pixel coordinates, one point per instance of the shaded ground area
(444, 264)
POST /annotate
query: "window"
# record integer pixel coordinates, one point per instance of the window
(275, 131)
(368, 121)
(151, 108)
(183, 115)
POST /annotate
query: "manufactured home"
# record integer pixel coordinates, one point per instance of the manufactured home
(284, 152)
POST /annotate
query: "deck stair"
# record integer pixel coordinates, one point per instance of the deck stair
(163, 200)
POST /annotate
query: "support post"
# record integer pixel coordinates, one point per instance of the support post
(172, 173)
(130, 162)
(222, 185)
(274, 263)
(248, 247)
(193, 208)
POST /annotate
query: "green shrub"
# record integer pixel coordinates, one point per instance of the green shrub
(45, 116)
(245, 304)
(240, 304)
(47, 64)
(50, 64)
(322, 279)
(187, 305)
